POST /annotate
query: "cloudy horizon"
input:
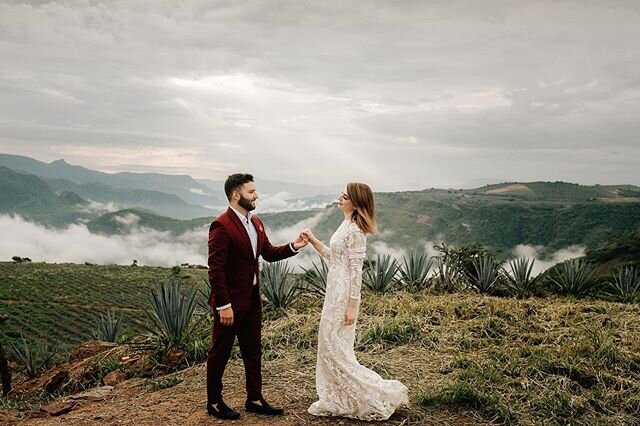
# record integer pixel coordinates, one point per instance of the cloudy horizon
(401, 95)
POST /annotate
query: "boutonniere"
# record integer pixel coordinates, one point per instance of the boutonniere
(260, 228)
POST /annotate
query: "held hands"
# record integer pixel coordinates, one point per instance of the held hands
(308, 235)
(300, 242)
(305, 237)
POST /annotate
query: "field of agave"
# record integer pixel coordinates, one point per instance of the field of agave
(559, 347)
(62, 303)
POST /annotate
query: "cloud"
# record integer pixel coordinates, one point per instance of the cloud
(127, 220)
(77, 244)
(198, 191)
(282, 201)
(282, 235)
(542, 264)
(98, 207)
(437, 93)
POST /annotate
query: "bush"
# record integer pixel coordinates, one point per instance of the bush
(108, 327)
(625, 285)
(486, 272)
(316, 277)
(172, 318)
(519, 281)
(574, 277)
(447, 277)
(379, 275)
(414, 271)
(33, 357)
(279, 289)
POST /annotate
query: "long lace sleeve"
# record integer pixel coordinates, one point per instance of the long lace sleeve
(356, 252)
(324, 251)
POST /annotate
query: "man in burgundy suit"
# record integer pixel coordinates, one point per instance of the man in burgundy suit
(236, 241)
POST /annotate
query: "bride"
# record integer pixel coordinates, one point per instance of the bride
(346, 388)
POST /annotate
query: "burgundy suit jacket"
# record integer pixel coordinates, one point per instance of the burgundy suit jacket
(232, 264)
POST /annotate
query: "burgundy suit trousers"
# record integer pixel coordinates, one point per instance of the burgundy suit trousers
(247, 326)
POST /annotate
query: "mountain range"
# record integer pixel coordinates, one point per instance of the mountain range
(546, 215)
(177, 196)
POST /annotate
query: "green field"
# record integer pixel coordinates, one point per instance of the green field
(62, 302)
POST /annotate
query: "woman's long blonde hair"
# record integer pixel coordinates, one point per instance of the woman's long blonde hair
(364, 214)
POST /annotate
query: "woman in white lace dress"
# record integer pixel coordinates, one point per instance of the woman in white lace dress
(346, 388)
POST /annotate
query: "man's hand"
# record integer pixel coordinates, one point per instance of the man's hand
(300, 242)
(226, 317)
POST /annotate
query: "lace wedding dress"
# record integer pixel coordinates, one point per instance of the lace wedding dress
(346, 388)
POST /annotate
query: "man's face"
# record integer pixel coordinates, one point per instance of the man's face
(248, 196)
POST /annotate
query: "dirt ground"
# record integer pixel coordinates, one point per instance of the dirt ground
(133, 402)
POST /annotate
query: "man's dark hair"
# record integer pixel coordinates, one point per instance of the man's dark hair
(234, 182)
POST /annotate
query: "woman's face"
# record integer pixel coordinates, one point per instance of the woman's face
(344, 202)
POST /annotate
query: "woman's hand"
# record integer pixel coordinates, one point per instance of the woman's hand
(308, 235)
(351, 314)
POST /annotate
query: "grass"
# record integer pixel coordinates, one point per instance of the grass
(64, 301)
(555, 360)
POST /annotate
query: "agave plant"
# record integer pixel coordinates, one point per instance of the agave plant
(278, 289)
(414, 271)
(172, 316)
(316, 277)
(447, 277)
(574, 277)
(379, 275)
(33, 357)
(108, 327)
(486, 272)
(626, 284)
(519, 281)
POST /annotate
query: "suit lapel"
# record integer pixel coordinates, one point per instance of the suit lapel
(260, 231)
(241, 230)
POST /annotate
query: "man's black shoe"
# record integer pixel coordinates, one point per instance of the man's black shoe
(265, 408)
(222, 411)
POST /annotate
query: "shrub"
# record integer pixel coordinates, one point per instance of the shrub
(279, 289)
(414, 271)
(519, 281)
(316, 277)
(33, 357)
(486, 272)
(625, 285)
(447, 277)
(108, 327)
(574, 277)
(379, 275)
(172, 314)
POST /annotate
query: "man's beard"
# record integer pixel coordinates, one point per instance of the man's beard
(246, 203)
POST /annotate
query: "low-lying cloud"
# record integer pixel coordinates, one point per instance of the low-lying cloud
(541, 263)
(77, 244)
(283, 201)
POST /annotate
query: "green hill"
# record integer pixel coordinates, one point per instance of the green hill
(182, 186)
(18, 189)
(408, 219)
(112, 223)
(160, 203)
(31, 198)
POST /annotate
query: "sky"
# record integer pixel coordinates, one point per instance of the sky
(401, 95)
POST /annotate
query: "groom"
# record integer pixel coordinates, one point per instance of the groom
(236, 240)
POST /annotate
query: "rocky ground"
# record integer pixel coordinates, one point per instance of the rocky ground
(179, 398)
